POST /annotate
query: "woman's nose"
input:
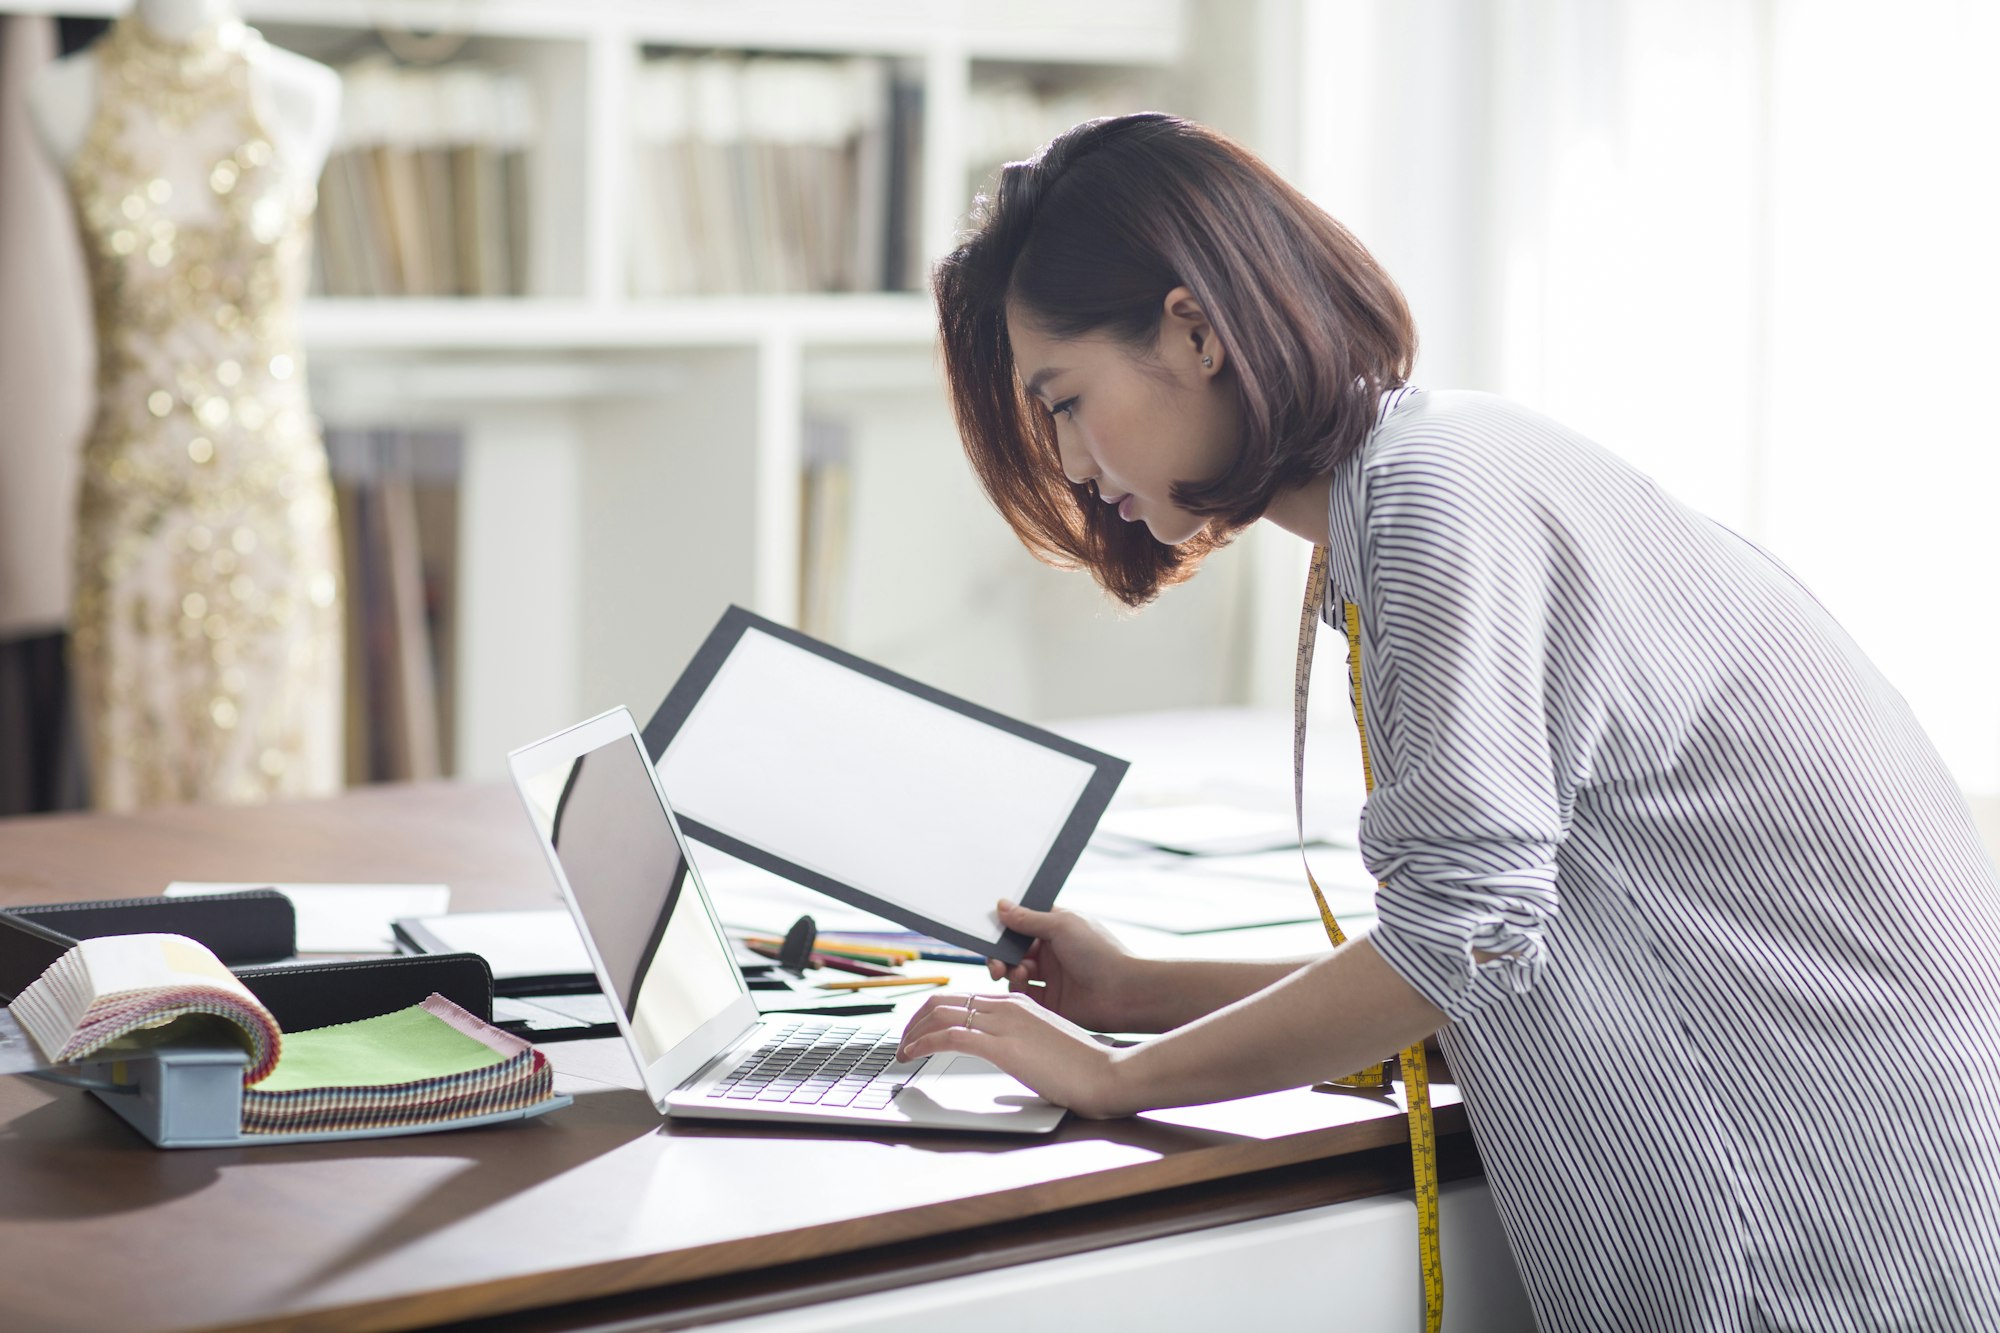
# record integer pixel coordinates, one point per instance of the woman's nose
(1076, 464)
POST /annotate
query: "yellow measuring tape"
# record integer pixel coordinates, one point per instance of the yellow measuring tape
(1416, 1073)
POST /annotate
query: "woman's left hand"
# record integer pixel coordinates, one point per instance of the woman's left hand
(1050, 1054)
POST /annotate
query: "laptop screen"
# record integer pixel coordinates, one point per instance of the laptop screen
(668, 964)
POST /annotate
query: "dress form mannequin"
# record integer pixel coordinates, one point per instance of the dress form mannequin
(206, 637)
(297, 100)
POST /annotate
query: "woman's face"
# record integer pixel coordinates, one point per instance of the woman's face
(1136, 425)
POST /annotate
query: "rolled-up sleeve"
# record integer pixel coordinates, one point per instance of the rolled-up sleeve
(1470, 736)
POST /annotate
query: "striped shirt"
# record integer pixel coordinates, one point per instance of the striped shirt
(1736, 1062)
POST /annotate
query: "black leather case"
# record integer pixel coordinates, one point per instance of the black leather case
(249, 931)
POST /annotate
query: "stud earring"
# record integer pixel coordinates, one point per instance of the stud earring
(1208, 363)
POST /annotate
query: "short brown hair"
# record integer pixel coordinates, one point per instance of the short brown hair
(1089, 236)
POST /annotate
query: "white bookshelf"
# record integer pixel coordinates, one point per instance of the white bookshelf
(347, 325)
(632, 466)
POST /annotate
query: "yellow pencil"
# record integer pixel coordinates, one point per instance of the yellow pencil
(839, 944)
(867, 954)
(860, 982)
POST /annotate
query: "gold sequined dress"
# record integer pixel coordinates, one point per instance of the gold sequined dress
(206, 633)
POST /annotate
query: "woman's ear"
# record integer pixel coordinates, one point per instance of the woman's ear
(1187, 340)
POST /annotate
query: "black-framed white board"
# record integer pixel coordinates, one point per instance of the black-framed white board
(873, 788)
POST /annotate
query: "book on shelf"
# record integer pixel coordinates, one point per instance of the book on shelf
(435, 212)
(826, 505)
(426, 190)
(397, 496)
(903, 255)
(772, 174)
(115, 1000)
(1011, 116)
(396, 187)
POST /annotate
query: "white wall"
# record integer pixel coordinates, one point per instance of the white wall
(1746, 244)
(940, 589)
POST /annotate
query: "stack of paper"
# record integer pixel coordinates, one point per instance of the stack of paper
(106, 987)
(423, 1065)
(337, 918)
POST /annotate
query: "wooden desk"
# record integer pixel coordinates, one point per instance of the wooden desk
(596, 1211)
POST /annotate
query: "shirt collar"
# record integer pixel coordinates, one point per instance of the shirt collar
(1343, 513)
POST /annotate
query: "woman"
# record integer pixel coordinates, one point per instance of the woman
(1692, 905)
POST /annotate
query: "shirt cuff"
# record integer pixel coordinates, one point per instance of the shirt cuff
(1431, 943)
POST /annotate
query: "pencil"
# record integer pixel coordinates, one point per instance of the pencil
(862, 982)
(866, 953)
(952, 956)
(842, 963)
(838, 962)
(919, 945)
(840, 944)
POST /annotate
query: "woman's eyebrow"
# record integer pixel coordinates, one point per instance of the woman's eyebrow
(1041, 377)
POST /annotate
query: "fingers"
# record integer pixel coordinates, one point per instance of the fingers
(1029, 921)
(997, 969)
(947, 1037)
(1018, 975)
(958, 1040)
(941, 1000)
(937, 1013)
(956, 1023)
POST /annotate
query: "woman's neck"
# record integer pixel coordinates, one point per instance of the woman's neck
(1302, 510)
(182, 20)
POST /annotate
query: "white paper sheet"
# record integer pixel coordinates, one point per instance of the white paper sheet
(1237, 756)
(870, 785)
(1200, 830)
(1332, 866)
(532, 943)
(341, 918)
(1185, 903)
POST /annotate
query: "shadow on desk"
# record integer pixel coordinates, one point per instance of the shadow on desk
(55, 1149)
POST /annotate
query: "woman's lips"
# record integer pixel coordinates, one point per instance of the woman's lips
(1125, 507)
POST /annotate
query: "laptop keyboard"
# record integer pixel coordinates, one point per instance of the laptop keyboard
(819, 1064)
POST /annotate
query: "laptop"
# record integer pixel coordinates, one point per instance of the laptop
(680, 1000)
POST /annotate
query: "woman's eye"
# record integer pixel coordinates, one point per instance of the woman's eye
(1067, 407)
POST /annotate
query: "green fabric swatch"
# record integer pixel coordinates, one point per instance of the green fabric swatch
(402, 1047)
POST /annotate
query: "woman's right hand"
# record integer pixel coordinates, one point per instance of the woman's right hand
(1082, 973)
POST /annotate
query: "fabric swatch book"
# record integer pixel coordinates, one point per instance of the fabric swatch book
(104, 989)
(169, 1038)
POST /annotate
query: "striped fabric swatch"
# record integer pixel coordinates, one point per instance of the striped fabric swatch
(114, 985)
(424, 1065)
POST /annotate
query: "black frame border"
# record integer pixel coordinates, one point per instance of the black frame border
(1061, 858)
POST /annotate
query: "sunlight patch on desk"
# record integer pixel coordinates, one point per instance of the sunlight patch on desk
(967, 1083)
(1279, 1115)
(596, 1063)
(826, 1175)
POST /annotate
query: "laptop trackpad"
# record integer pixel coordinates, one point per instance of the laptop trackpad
(967, 1083)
